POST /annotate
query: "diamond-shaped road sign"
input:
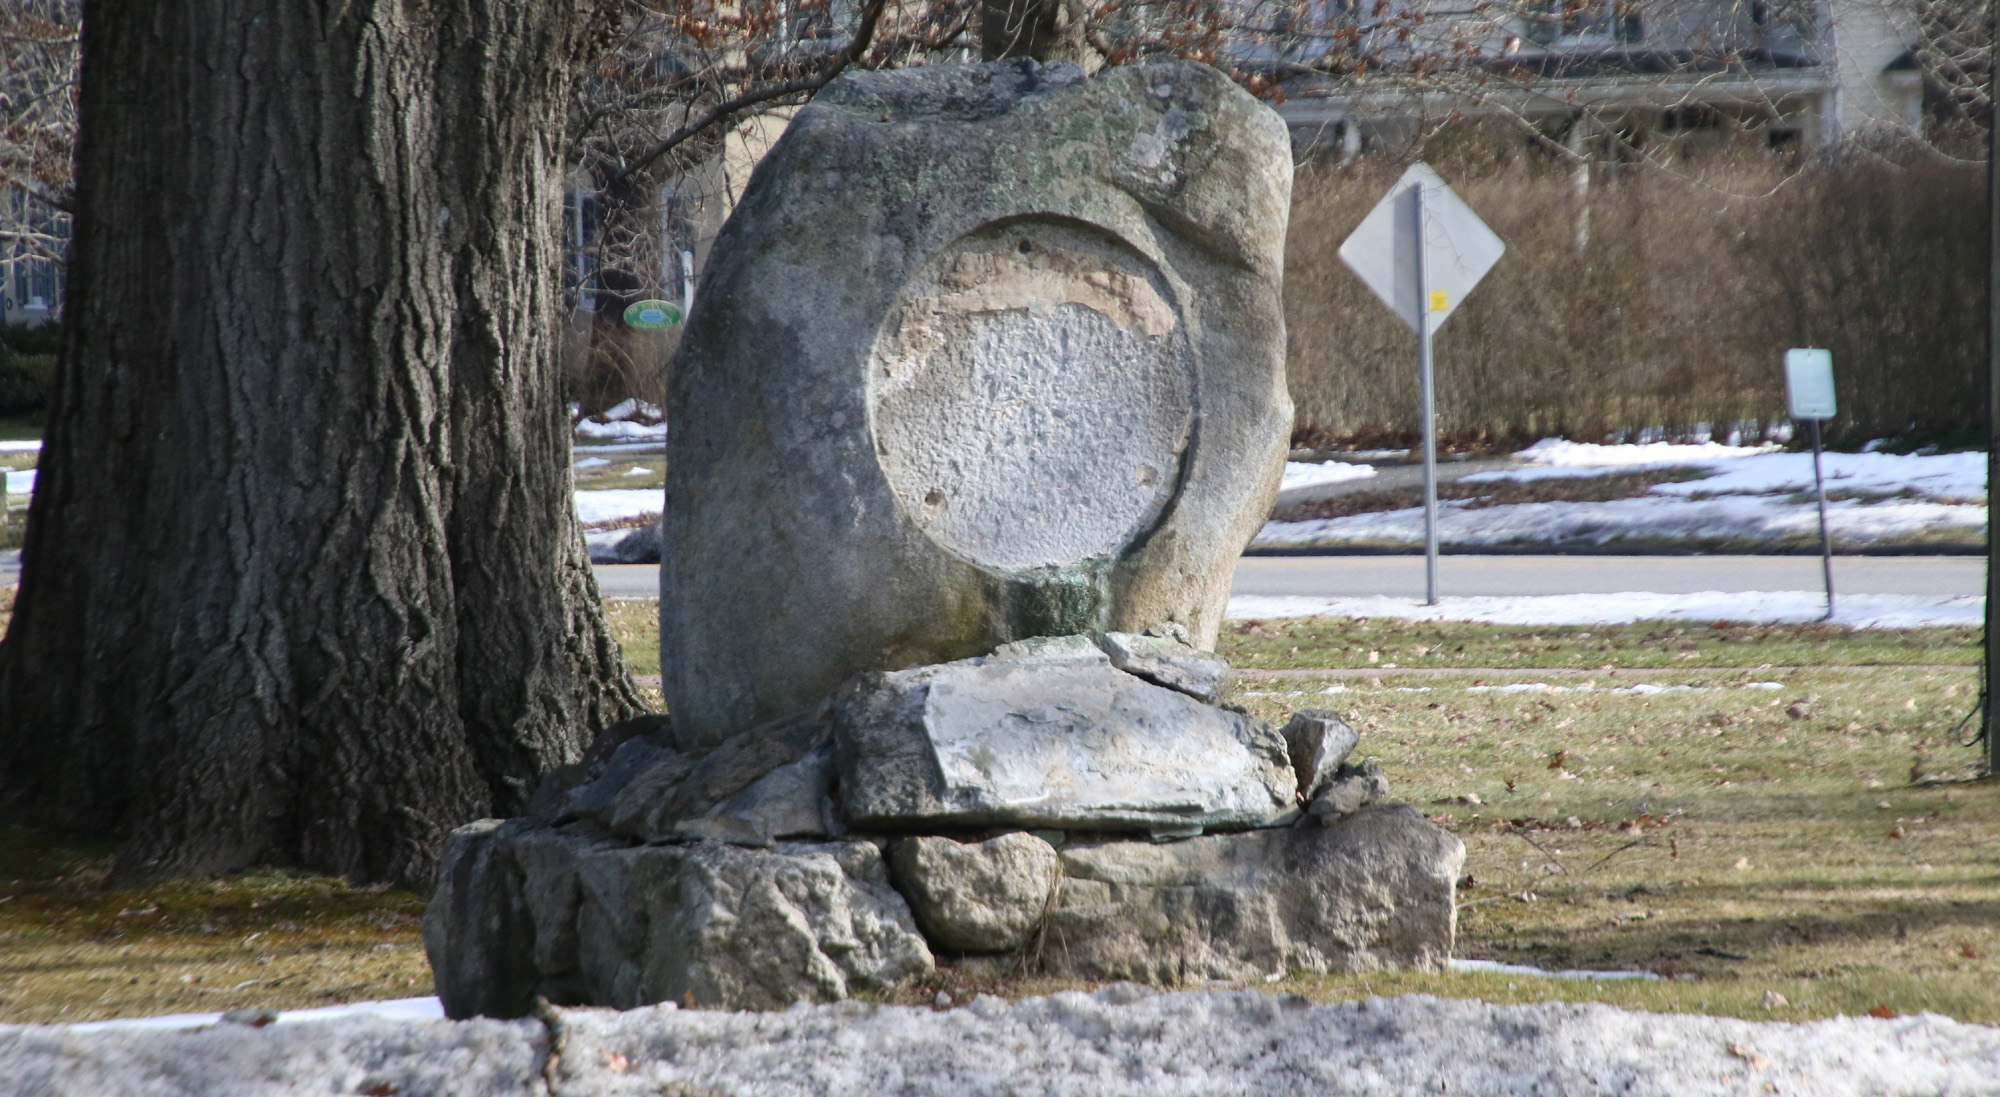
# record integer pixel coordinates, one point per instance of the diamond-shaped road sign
(1458, 248)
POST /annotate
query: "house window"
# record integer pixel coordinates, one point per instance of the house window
(1631, 24)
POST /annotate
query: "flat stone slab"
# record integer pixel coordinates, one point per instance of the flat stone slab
(1062, 740)
(352, 1055)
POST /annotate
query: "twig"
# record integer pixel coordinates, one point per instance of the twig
(1553, 859)
(863, 34)
(1616, 852)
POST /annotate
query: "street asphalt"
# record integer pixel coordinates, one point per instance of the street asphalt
(1459, 576)
(1342, 576)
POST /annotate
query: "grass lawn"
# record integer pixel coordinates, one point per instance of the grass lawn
(635, 470)
(1747, 826)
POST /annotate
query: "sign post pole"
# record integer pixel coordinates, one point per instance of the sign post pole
(1428, 397)
(1809, 390)
(1825, 543)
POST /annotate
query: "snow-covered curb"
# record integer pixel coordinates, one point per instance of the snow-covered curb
(1773, 607)
(1121, 1040)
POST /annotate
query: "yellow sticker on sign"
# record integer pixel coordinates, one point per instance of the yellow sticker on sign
(1438, 300)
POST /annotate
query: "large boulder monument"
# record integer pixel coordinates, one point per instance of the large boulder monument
(983, 399)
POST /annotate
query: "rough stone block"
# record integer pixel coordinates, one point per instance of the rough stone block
(1372, 891)
(981, 896)
(1352, 788)
(985, 352)
(1050, 742)
(524, 911)
(1319, 741)
(477, 929)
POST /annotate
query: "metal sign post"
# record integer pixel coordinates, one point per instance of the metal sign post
(1422, 249)
(1809, 387)
(1427, 396)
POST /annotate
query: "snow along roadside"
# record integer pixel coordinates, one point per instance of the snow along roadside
(1121, 1040)
(1764, 606)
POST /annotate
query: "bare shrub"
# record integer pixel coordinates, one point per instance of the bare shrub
(1675, 312)
(1881, 258)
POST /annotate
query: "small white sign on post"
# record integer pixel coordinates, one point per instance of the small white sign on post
(1809, 390)
(1809, 382)
(1422, 250)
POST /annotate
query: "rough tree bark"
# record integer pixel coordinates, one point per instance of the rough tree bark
(1046, 30)
(302, 581)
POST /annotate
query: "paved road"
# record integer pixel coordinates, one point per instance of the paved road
(1329, 576)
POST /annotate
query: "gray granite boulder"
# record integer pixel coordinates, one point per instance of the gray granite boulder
(984, 352)
(978, 896)
(1351, 789)
(1372, 891)
(1168, 662)
(477, 930)
(1064, 741)
(573, 916)
(1319, 741)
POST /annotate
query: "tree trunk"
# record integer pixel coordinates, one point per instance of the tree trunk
(302, 581)
(1046, 30)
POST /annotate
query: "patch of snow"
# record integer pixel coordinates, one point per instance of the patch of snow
(1648, 689)
(1650, 519)
(1495, 967)
(1799, 607)
(1643, 689)
(1302, 474)
(1749, 494)
(1946, 476)
(592, 463)
(21, 483)
(1562, 453)
(400, 1009)
(638, 470)
(620, 430)
(615, 503)
(630, 407)
(621, 447)
(30, 446)
(1763, 685)
(1759, 470)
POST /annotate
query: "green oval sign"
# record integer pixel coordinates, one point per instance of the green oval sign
(652, 315)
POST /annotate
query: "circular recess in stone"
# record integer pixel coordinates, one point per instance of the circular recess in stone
(1032, 395)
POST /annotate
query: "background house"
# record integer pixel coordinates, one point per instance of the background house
(1640, 73)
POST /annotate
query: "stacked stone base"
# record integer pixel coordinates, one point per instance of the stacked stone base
(744, 877)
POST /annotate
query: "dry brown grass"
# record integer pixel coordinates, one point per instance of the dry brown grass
(1743, 840)
(72, 950)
